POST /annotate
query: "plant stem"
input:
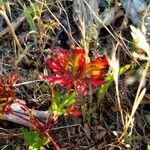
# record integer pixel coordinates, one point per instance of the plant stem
(51, 139)
(91, 98)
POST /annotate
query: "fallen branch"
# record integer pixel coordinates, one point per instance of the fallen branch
(41, 115)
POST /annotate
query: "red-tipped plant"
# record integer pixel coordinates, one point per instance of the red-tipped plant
(70, 69)
(7, 98)
(7, 92)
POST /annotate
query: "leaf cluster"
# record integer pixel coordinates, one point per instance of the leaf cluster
(34, 140)
(61, 103)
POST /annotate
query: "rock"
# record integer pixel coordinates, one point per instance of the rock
(134, 8)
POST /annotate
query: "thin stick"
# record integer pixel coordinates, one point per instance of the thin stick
(28, 82)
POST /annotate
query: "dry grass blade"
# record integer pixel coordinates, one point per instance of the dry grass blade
(114, 64)
(4, 15)
(139, 96)
(15, 25)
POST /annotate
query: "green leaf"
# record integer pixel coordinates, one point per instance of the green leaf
(2, 2)
(61, 103)
(109, 79)
(124, 69)
(29, 18)
(68, 99)
(148, 1)
(34, 140)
